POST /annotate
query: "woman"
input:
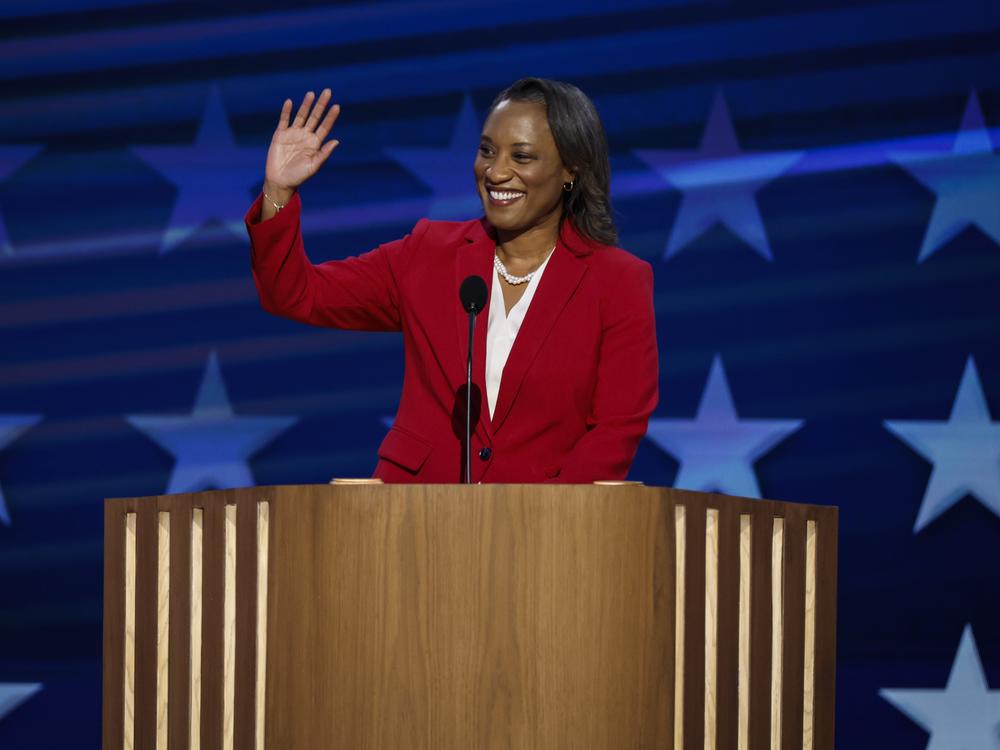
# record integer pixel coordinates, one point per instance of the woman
(568, 357)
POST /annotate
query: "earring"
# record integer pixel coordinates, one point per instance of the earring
(568, 186)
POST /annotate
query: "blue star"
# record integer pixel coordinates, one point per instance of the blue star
(211, 445)
(966, 180)
(717, 449)
(11, 158)
(963, 716)
(448, 171)
(12, 426)
(13, 694)
(965, 451)
(213, 176)
(718, 182)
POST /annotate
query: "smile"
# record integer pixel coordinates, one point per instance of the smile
(504, 197)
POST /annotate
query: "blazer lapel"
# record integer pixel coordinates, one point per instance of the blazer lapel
(475, 258)
(560, 279)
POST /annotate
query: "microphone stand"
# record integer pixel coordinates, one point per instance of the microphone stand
(473, 295)
(468, 399)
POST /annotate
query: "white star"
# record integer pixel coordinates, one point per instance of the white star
(717, 449)
(719, 183)
(13, 694)
(966, 180)
(965, 451)
(11, 158)
(448, 171)
(12, 426)
(963, 716)
(212, 446)
(213, 176)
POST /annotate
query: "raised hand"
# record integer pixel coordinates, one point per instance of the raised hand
(297, 148)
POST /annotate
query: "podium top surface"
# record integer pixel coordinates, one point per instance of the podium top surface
(423, 492)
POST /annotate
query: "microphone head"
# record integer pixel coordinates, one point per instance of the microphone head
(472, 293)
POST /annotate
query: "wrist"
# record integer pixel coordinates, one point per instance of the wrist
(279, 194)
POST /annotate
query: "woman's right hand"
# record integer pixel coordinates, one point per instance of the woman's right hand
(297, 149)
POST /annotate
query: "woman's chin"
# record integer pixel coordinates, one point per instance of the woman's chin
(500, 218)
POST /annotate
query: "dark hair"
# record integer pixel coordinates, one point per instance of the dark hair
(579, 136)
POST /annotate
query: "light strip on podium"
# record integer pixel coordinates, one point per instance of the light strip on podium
(743, 657)
(162, 628)
(809, 676)
(711, 624)
(229, 630)
(777, 627)
(679, 578)
(263, 528)
(129, 677)
(194, 686)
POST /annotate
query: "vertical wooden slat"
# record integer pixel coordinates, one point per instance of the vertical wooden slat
(260, 682)
(146, 561)
(197, 603)
(760, 626)
(128, 674)
(777, 627)
(246, 624)
(112, 712)
(826, 630)
(792, 658)
(180, 622)
(711, 633)
(694, 645)
(213, 598)
(162, 628)
(809, 639)
(229, 630)
(728, 628)
(680, 613)
(743, 681)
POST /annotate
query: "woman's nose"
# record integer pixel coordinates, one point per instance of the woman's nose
(497, 172)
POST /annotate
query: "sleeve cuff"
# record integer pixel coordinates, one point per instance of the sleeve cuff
(289, 214)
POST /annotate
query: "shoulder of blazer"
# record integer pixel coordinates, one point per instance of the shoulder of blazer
(425, 237)
(616, 260)
(605, 258)
(448, 232)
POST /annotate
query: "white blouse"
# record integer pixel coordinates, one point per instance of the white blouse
(501, 330)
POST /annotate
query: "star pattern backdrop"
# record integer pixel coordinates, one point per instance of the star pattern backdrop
(816, 185)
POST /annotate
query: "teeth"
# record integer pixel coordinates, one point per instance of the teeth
(498, 195)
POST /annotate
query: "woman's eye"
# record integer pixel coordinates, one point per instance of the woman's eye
(484, 150)
(522, 157)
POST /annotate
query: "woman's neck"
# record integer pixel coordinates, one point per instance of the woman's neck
(527, 248)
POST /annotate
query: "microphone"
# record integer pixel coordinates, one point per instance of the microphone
(472, 294)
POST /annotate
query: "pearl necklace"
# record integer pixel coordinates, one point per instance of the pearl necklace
(510, 278)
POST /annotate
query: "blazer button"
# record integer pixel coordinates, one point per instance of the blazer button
(485, 453)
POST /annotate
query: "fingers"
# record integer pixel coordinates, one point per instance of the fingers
(326, 150)
(300, 116)
(317, 111)
(286, 111)
(331, 117)
(309, 116)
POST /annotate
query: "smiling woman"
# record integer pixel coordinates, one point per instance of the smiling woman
(568, 359)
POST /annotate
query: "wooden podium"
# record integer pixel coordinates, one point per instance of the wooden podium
(492, 616)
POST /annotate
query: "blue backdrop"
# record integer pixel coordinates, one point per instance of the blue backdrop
(815, 183)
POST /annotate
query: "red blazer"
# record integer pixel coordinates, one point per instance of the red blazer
(579, 384)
